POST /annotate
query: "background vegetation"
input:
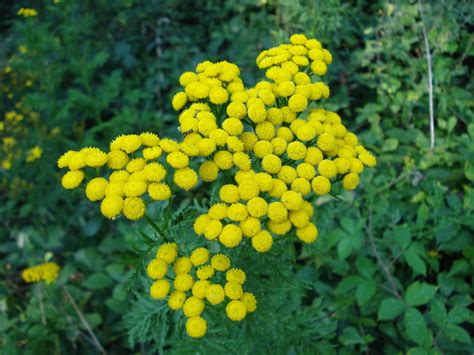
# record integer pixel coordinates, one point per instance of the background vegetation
(392, 271)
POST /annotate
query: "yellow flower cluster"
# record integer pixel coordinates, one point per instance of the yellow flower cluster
(26, 12)
(44, 272)
(189, 283)
(269, 152)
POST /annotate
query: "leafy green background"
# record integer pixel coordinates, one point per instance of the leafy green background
(392, 271)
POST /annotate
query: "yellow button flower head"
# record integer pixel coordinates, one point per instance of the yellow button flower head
(47, 272)
(220, 262)
(250, 302)
(236, 275)
(215, 294)
(133, 208)
(159, 289)
(231, 236)
(167, 252)
(111, 206)
(200, 287)
(236, 310)
(196, 327)
(72, 179)
(199, 256)
(157, 269)
(182, 265)
(193, 307)
(262, 241)
(183, 282)
(176, 300)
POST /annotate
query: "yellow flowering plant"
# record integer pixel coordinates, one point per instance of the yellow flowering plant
(267, 151)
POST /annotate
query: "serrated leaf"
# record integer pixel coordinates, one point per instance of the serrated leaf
(456, 333)
(415, 325)
(97, 281)
(365, 290)
(418, 293)
(414, 261)
(438, 312)
(458, 315)
(390, 308)
(344, 248)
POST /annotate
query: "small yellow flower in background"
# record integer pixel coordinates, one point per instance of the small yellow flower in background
(27, 12)
(34, 154)
(8, 69)
(6, 164)
(23, 49)
(47, 272)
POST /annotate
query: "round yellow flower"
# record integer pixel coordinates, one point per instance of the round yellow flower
(262, 241)
(229, 193)
(223, 159)
(159, 192)
(233, 290)
(117, 159)
(307, 234)
(208, 171)
(279, 228)
(215, 294)
(237, 212)
(111, 206)
(167, 252)
(200, 287)
(236, 310)
(277, 212)
(292, 200)
(250, 226)
(95, 189)
(299, 218)
(176, 300)
(327, 168)
(326, 142)
(183, 282)
(250, 302)
(159, 289)
(233, 126)
(296, 151)
(154, 172)
(135, 165)
(205, 272)
(297, 103)
(257, 207)
(220, 262)
(213, 229)
(196, 327)
(179, 101)
(271, 164)
(133, 208)
(264, 181)
(157, 269)
(321, 185)
(218, 95)
(235, 275)
(231, 236)
(72, 179)
(185, 178)
(350, 181)
(193, 307)
(177, 160)
(135, 188)
(200, 224)
(199, 256)
(182, 265)
(218, 211)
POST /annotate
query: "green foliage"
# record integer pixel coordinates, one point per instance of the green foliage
(392, 269)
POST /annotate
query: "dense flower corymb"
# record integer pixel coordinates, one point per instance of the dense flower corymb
(47, 272)
(271, 149)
